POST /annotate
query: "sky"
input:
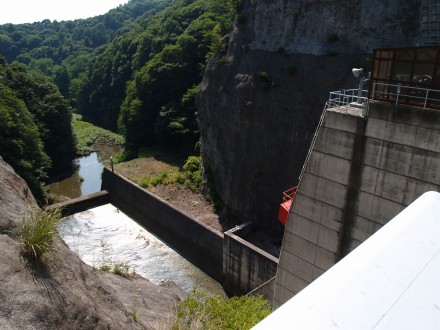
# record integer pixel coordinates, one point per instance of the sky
(29, 11)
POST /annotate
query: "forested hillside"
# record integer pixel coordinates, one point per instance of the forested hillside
(135, 70)
(63, 50)
(144, 83)
(35, 125)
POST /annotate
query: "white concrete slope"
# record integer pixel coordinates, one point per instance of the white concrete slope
(391, 281)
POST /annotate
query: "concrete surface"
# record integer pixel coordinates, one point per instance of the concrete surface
(362, 172)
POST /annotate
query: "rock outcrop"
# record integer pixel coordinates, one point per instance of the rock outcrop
(260, 102)
(61, 292)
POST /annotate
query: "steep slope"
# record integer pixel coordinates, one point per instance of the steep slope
(61, 292)
(261, 100)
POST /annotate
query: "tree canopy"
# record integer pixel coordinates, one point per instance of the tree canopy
(144, 83)
(35, 125)
(63, 50)
(135, 70)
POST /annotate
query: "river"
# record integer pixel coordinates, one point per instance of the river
(105, 235)
(86, 176)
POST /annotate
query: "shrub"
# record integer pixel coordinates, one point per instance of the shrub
(121, 268)
(159, 178)
(215, 312)
(145, 182)
(266, 81)
(135, 315)
(193, 172)
(38, 230)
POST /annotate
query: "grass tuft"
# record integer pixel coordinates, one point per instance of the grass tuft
(135, 315)
(38, 230)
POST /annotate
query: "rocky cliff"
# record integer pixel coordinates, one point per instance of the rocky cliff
(261, 100)
(62, 292)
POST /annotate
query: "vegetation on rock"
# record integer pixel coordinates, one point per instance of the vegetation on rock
(38, 230)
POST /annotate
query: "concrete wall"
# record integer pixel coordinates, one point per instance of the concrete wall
(82, 203)
(197, 242)
(245, 266)
(266, 290)
(361, 173)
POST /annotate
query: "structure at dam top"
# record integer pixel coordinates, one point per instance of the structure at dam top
(367, 162)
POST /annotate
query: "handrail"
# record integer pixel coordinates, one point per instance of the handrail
(399, 91)
(289, 194)
(349, 98)
(321, 119)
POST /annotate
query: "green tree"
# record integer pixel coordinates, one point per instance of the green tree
(62, 80)
(20, 142)
(50, 110)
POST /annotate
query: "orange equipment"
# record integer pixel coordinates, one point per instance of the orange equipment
(288, 197)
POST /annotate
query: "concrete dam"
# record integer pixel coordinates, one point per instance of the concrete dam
(229, 258)
(361, 172)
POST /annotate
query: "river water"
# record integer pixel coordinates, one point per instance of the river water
(105, 234)
(86, 179)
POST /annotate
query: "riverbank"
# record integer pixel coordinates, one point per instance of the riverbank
(91, 138)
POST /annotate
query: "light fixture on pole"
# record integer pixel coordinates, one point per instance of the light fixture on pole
(358, 73)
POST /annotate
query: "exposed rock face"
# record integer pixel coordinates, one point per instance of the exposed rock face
(61, 292)
(260, 103)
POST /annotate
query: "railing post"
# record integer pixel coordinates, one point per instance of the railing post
(426, 99)
(397, 93)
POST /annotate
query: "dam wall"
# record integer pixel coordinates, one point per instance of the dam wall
(362, 171)
(81, 204)
(246, 267)
(195, 241)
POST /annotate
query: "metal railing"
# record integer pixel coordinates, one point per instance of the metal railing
(403, 94)
(289, 194)
(349, 98)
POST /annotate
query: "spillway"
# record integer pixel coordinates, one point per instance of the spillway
(104, 233)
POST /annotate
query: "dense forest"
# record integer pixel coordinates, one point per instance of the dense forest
(63, 50)
(144, 83)
(35, 125)
(135, 70)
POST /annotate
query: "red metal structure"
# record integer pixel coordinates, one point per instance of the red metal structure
(288, 197)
